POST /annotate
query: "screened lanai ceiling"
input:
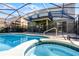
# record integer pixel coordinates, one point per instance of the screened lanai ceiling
(20, 9)
(10, 10)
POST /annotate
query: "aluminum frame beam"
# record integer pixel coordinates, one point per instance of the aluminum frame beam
(16, 10)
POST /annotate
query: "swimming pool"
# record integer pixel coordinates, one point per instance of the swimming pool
(51, 49)
(8, 41)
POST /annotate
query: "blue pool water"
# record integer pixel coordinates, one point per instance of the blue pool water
(8, 41)
(52, 50)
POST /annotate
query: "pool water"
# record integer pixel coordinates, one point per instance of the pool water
(51, 50)
(8, 41)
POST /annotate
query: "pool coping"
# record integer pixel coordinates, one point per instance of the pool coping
(46, 41)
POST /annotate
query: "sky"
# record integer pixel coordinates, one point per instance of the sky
(77, 9)
(28, 8)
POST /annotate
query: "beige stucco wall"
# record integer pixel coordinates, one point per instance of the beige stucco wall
(2, 24)
(23, 23)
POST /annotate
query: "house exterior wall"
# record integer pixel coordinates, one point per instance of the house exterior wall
(2, 24)
(70, 27)
(20, 22)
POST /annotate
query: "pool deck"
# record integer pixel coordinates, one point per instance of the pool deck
(59, 37)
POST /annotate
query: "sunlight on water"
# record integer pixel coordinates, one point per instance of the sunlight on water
(11, 40)
(4, 47)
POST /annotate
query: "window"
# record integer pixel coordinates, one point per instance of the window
(43, 14)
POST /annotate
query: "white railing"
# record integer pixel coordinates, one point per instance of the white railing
(50, 30)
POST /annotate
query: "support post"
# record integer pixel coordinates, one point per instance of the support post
(46, 24)
(56, 32)
(67, 27)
